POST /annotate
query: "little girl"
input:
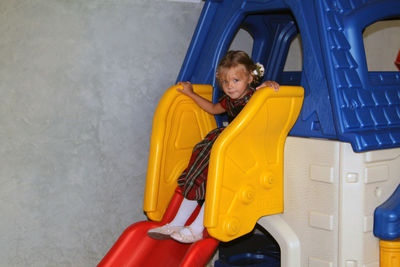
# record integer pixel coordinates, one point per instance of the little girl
(236, 73)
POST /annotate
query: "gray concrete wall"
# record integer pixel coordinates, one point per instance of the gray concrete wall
(79, 82)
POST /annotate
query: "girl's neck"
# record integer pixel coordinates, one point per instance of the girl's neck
(244, 93)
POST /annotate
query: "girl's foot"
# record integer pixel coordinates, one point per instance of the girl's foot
(163, 232)
(187, 235)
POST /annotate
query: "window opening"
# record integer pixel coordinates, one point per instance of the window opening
(294, 60)
(382, 44)
(242, 41)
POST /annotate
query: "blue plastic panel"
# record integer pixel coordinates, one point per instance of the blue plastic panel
(387, 218)
(365, 104)
(343, 100)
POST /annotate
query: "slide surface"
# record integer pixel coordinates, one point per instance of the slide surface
(135, 248)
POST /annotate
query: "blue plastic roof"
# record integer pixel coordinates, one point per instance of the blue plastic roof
(343, 101)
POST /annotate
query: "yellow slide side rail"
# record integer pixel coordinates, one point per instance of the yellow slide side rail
(245, 177)
(178, 125)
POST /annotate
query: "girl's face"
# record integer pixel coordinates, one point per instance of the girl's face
(235, 81)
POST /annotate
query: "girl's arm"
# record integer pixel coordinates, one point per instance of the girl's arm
(203, 103)
(274, 85)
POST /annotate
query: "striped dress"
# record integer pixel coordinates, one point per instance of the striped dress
(193, 179)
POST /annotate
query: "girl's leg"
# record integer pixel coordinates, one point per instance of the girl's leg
(184, 212)
(197, 225)
(192, 233)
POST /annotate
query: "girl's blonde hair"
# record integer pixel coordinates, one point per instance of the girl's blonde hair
(234, 58)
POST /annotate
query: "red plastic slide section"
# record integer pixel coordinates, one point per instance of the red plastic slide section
(135, 248)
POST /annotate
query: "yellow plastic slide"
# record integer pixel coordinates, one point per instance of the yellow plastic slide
(245, 177)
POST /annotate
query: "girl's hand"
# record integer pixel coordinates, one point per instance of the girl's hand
(203, 103)
(274, 85)
(187, 88)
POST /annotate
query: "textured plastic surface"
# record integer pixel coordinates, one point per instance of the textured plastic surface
(343, 100)
(178, 125)
(245, 176)
(330, 194)
(390, 253)
(134, 248)
(387, 218)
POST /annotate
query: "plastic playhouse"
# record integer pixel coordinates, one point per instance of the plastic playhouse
(327, 192)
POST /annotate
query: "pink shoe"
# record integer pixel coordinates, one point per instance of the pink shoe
(191, 238)
(163, 232)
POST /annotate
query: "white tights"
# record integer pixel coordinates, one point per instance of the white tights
(184, 212)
